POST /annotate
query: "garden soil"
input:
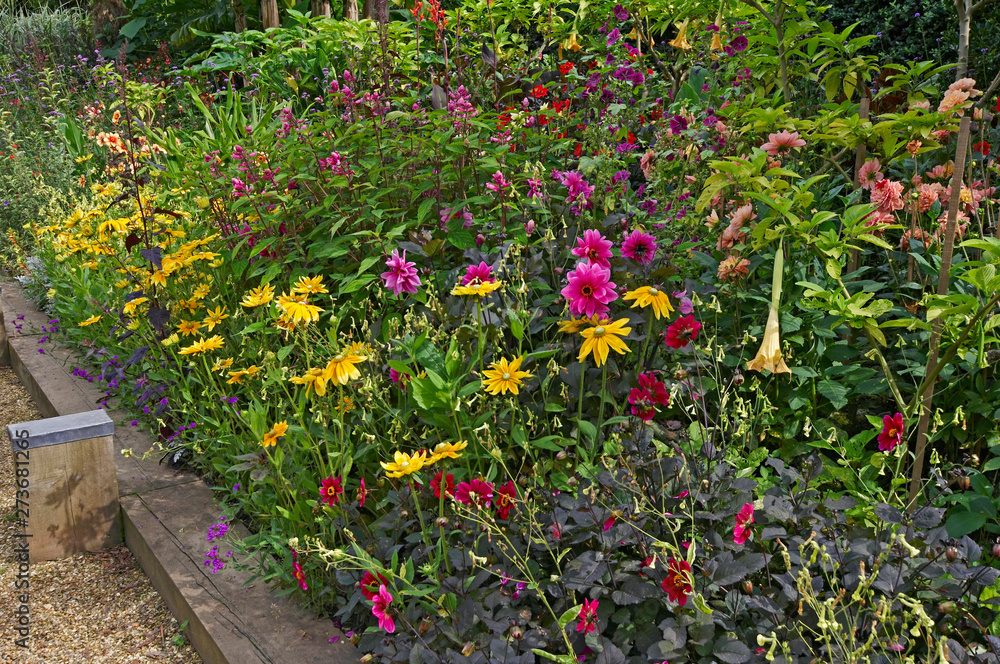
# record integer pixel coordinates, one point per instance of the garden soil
(99, 607)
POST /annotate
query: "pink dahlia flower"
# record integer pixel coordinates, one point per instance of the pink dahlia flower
(869, 174)
(639, 246)
(380, 609)
(478, 274)
(892, 432)
(744, 524)
(594, 247)
(474, 492)
(887, 195)
(589, 290)
(402, 274)
(782, 142)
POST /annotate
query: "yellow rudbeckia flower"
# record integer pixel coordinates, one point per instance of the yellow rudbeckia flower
(90, 321)
(599, 340)
(646, 296)
(404, 464)
(503, 377)
(276, 432)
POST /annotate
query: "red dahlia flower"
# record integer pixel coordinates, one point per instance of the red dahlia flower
(506, 496)
(475, 492)
(682, 331)
(744, 524)
(892, 432)
(587, 618)
(678, 584)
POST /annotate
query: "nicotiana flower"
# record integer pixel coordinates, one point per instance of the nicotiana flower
(402, 275)
(682, 331)
(744, 524)
(589, 290)
(678, 583)
(639, 246)
(892, 432)
(594, 247)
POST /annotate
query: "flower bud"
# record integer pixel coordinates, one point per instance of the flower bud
(468, 649)
(964, 483)
(948, 607)
(441, 522)
(951, 553)
(516, 632)
(561, 455)
(425, 626)
(738, 379)
(748, 587)
(996, 549)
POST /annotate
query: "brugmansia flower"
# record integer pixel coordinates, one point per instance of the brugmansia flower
(744, 523)
(258, 296)
(330, 490)
(599, 340)
(646, 296)
(892, 432)
(380, 609)
(587, 620)
(276, 432)
(769, 355)
(404, 464)
(678, 583)
(504, 376)
(680, 41)
(90, 321)
(571, 44)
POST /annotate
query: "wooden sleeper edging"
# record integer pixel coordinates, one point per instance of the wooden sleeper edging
(165, 516)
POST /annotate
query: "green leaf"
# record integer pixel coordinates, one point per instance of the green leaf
(835, 392)
(570, 615)
(516, 326)
(132, 28)
(964, 522)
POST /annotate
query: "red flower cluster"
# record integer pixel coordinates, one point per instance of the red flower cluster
(650, 393)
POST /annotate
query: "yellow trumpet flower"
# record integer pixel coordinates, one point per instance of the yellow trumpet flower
(769, 355)
(680, 41)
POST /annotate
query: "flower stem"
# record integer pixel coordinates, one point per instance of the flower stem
(479, 333)
(579, 405)
(600, 416)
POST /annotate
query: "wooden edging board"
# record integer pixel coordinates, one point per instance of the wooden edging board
(165, 516)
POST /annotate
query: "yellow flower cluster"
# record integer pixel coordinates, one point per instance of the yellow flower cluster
(339, 370)
(406, 464)
(203, 346)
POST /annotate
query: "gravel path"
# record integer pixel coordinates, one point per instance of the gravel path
(96, 608)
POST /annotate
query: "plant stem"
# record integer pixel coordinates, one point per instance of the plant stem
(600, 416)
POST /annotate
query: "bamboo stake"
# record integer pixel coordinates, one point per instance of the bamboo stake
(961, 153)
(859, 161)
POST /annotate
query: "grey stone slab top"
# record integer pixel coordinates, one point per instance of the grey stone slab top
(57, 430)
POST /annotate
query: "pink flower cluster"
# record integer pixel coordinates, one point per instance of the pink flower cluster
(579, 190)
(402, 274)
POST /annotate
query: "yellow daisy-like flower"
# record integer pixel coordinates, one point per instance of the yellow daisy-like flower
(448, 451)
(299, 309)
(404, 464)
(307, 285)
(222, 365)
(285, 323)
(131, 305)
(171, 340)
(314, 379)
(502, 376)
(598, 340)
(201, 292)
(341, 368)
(650, 296)
(573, 325)
(346, 405)
(189, 327)
(215, 343)
(215, 318)
(90, 321)
(481, 289)
(196, 348)
(191, 305)
(276, 432)
(258, 296)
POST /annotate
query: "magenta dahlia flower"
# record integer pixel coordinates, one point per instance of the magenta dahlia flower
(744, 524)
(892, 432)
(474, 492)
(639, 246)
(589, 290)
(402, 275)
(594, 247)
(478, 274)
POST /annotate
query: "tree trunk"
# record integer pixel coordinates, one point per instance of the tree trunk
(241, 16)
(320, 8)
(351, 10)
(964, 8)
(382, 11)
(269, 14)
(369, 9)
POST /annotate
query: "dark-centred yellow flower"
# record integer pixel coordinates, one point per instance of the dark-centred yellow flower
(647, 296)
